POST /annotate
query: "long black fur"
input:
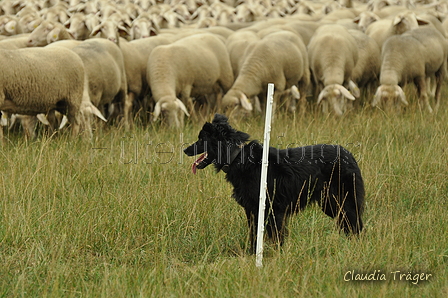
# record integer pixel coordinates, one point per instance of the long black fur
(326, 174)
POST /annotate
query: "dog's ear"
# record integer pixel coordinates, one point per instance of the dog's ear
(220, 119)
(208, 127)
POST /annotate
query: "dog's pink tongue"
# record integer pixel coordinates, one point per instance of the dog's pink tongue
(196, 162)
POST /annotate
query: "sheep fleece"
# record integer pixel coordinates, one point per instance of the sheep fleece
(37, 80)
(198, 62)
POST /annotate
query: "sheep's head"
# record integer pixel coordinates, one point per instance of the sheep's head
(236, 103)
(38, 38)
(364, 19)
(171, 110)
(110, 30)
(337, 97)
(406, 21)
(389, 97)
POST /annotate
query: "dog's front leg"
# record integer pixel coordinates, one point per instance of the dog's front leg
(252, 219)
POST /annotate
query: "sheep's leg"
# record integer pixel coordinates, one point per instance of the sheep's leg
(420, 82)
(73, 116)
(438, 93)
(128, 102)
(440, 76)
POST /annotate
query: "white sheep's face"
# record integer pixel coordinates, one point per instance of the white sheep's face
(390, 98)
(337, 104)
(236, 104)
(38, 37)
(335, 98)
(171, 111)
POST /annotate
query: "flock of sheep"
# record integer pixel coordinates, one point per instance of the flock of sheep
(177, 58)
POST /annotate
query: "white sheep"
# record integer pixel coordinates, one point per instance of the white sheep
(143, 27)
(40, 36)
(9, 25)
(367, 69)
(41, 80)
(105, 71)
(333, 54)
(236, 44)
(381, 30)
(15, 42)
(111, 30)
(193, 66)
(365, 18)
(136, 54)
(412, 57)
(80, 25)
(279, 58)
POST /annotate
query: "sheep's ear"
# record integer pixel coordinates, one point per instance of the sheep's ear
(97, 113)
(42, 118)
(377, 96)
(257, 104)
(53, 35)
(401, 95)
(63, 122)
(421, 21)
(345, 92)
(245, 103)
(95, 30)
(181, 19)
(123, 31)
(354, 89)
(295, 92)
(322, 95)
(356, 20)
(181, 105)
(157, 111)
(11, 26)
(4, 119)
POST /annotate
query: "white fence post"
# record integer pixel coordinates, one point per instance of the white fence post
(264, 174)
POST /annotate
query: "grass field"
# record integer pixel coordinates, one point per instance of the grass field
(124, 216)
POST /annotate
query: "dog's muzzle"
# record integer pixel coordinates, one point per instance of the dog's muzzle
(199, 163)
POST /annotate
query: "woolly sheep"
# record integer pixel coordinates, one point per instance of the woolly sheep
(80, 25)
(105, 71)
(365, 18)
(381, 30)
(304, 29)
(333, 54)
(193, 66)
(39, 36)
(412, 57)
(236, 44)
(367, 69)
(136, 54)
(143, 27)
(9, 25)
(279, 58)
(40, 80)
(15, 42)
(111, 30)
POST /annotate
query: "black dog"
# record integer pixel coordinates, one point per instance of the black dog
(327, 174)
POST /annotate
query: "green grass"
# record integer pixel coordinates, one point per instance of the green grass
(131, 220)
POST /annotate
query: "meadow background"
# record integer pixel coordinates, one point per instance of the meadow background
(123, 215)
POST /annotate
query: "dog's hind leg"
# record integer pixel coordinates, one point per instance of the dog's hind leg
(350, 222)
(276, 227)
(345, 209)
